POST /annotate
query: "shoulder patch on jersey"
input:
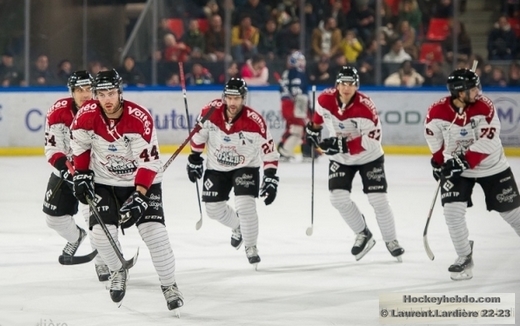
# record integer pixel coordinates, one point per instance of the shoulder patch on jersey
(142, 115)
(257, 118)
(484, 106)
(58, 109)
(86, 115)
(326, 97)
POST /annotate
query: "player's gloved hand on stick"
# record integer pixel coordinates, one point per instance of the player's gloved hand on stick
(133, 209)
(313, 134)
(194, 166)
(84, 185)
(65, 174)
(269, 186)
(454, 167)
(436, 170)
(334, 145)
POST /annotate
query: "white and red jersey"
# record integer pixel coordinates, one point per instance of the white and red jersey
(356, 121)
(57, 129)
(122, 152)
(474, 134)
(243, 142)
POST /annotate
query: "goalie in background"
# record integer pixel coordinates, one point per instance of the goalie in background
(463, 134)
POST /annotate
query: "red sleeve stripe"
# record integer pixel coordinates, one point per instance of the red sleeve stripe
(354, 146)
(474, 158)
(144, 177)
(55, 157)
(82, 161)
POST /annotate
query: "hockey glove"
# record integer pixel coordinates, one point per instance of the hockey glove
(269, 186)
(133, 209)
(454, 167)
(437, 170)
(194, 166)
(313, 134)
(84, 185)
(334, 145)
(64, 171)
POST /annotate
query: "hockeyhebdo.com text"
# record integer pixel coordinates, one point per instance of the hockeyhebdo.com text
(50, 322)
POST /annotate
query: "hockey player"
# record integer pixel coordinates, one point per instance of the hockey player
(352, 121)
(117, 161)
(295, 104)
(59, 203)
(238, 143)
(462, 131)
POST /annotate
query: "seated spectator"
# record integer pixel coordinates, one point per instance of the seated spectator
(96, 66)
(198, 76)
(434, 75)
(216, 40)
(267, 44)
(255, 72)
(326, 39)
(501, 42)
(407, 34)
(257, 11)
(322, 73)
(514, 75)
(366, 73)
(41, 74)
(64, 71)
(409, 11)
(350, 46)
(365, 21)
(232, 72)
(289, 39)
(162, 30)
(498, 78)
(175, 51)
(244, 39)
(443, 9)
(9, 75)
(194, 38)
(173, 80)
(406, 76)
(337, 11)
(464, 49)
(130, 74)
(397, 54)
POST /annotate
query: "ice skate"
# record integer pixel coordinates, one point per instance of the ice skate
(118, 285)
(252, 256)
(236, 238)
(174, 299)
(364, 242)
(285, 156)
(462, 269)
(71, 247)
(395, 249)
(103, 273)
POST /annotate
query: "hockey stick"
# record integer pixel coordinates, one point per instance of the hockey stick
(310, 228)
(183, 85)
(429, 252)
(127, 264)
(195, 129)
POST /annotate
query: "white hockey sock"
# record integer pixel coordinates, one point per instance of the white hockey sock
(156, 238)
(513, 218)
(246, 210)
(85, 212)
(348, 210)
(104, 248)
(455, 215)
(223, 213)
(384, 215)
(65, 226)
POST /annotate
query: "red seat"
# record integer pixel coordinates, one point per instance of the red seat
(438, 29)
(394, 6)
(176, 25)
(515, 25)
(203, 25)
(430, 51)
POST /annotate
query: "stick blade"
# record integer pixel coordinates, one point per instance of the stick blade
(309, 231)
(198, 225)
(427, 248)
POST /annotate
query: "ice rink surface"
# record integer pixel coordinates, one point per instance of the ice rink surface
(302, 280)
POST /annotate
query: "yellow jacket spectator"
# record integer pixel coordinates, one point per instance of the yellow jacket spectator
(244, 39)
(351, 46)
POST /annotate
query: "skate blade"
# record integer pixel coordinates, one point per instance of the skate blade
(118, 304)
(370, 245)
(465, 275)
(255, 266)
(399, 258)
(177, 312)
(239, 245)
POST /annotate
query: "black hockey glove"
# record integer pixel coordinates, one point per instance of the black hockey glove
(436, 170)
(194, 166)
(133, 209)
(454, 167)
(269, 186)
(313, 134)
(334, 145)
(64, 171)
(84, 185)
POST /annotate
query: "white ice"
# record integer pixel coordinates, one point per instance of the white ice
(302, 280)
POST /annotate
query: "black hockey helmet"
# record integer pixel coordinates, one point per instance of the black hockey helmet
(236, 86)
(79, 78)
(347, 74)
(107, 80)
(462, 80)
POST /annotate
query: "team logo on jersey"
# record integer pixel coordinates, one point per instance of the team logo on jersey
(119, 165)
(463, 132)
(245, 180)
(376, 174)
(228, 156)
(227, 139)
(112, 148)
(507, 196)
(341, 125)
